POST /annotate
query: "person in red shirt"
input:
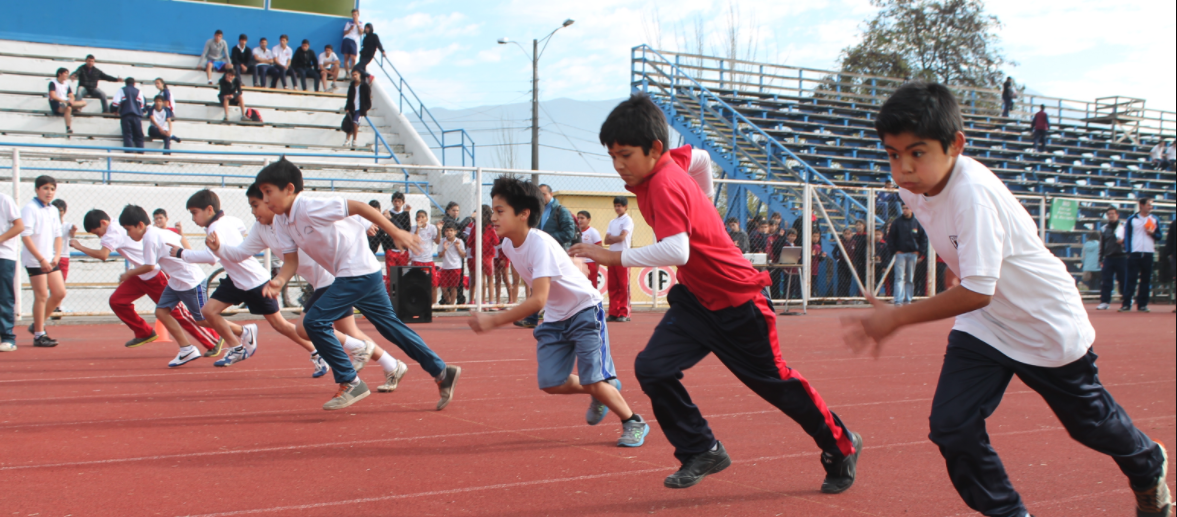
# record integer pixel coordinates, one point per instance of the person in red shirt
(490, 242)
(720, 306)
(1041, 128)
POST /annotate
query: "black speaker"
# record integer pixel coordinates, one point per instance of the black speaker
(411, 290)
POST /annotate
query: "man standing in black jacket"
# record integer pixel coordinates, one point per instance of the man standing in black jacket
(88, 76)
(368, 51)
(359, 101)
(1113, 258)
(909, 243)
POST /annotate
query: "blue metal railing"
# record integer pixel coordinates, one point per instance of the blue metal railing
(444, 138)
(742, 132)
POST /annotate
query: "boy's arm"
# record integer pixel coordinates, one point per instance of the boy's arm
(406, 239)
(141, 270)
(18, 227)
(874, 327)
(249, 248)
(42, 262)
(101, 253)
(289, 268)
(484, 322)
(57, 249)
(671, 251)
(460, 248)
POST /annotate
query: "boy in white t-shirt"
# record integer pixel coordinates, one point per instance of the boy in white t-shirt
(574, 329)
(353, 32)
(12, 226)
(452, 252)
(42, 256)
(619, 238)
(590, 236)
(185, 284)
(329, 66)
(161, 118)
(430, 238)
(1018, 312)
(62, 100)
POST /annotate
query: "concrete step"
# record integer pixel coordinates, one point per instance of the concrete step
(79, 54)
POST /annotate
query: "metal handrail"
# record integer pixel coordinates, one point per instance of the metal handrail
(417, 108)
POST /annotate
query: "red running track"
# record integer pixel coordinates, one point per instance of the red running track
(93, 429)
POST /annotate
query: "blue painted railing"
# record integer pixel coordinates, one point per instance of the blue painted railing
(444, 139)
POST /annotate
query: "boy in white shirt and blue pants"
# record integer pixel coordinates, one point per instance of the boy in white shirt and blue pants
(1018, 312)
(331, 231)
(12, 226)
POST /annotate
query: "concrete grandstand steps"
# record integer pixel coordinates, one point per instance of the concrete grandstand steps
(64, 52)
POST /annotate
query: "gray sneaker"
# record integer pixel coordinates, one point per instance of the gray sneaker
(347, 396)
(7, 347)
(392, 379)
(597, 411)
(633, 433)
(446, 388)
(363, 356)
(140, 341)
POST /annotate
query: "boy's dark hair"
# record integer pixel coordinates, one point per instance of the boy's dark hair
(61, 71)
(254, 192)
(242, 37)
(369, 26)
(520, 195)
(621, 200)
(165, 83)
(204, 199)
(927, 110)
(1112, 209)
(159, 211)
(219, 32)
(329, 47)
(134, 216)
(398, 195)
(637, 122)
(130, 81)
(263, 39)
(585, 214)
(794, 232)
(93, 220)
(374, 204)
(306, 42)
(230, 72)
(41, 181)
(422, 212)
(448, 227)
(280, 174)
(732, 220)
(450, 206)
(158, 98)
(283, 37)
(89, 57)
(60, 204)
(1143, 200)
(487, 213)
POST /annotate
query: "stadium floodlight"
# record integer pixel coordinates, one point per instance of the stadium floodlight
(504, 41)
(569, 22)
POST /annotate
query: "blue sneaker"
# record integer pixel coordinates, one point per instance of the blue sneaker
(236, 355)
(597, 411)
(321, 367)
(633, 433)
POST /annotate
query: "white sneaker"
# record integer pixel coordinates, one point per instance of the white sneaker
(7, 347)
(186, 355)
(363, 356)
(1102, 307)
(393, 379)
(250, 343)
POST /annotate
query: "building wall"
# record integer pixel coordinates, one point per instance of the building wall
(159, 25)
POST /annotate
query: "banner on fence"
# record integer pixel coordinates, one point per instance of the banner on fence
(1064, 213)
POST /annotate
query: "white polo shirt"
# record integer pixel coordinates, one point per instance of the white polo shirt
(246, 274)
(450, 258)
(43, 227)
(618, 225)
(591, 237)
(327, 59)
(117, 241)
(354, 31)
(428, 235)
(540, 256)
(323, 229)
(262, 237)
(988, 239)
(262, 54)
(182, 276)
(282, 55)
(8, 217)
(63, 89)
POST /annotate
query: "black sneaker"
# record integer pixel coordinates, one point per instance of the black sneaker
(1125, 309)
(44, 342)
(840, 475)
(623, 319)
(699, 467)
(611, 319)
(216, 350)
(140, 341)
(1144, 309)
(446, 388)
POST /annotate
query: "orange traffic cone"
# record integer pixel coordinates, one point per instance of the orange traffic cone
(162, 332)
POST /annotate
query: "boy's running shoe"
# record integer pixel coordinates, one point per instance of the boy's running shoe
(7, 347)
(249, 337)
(363, 355)
(1103, 307)
(393, 379)
(31, 331)
(523, 324)
(633, 433)
(1155, 500)
(699, 467)
(446, 388)
(840, 475)
(235, 355)
(347, 396)
(1125, 309)
(44, 342)
(140, 341)
(216, 350)
(186, 355)
(321, 367)
(597, 410)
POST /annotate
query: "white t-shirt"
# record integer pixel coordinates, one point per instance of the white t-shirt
(354, 31)
(262, 237)
(428, 234)
(182, 276)
(63, 89)
(591, 237)
(322, 228)
(282, 55)
(161, 117)
(262, 54)
(66, 228)
(327, 59)
(618, 225)
(43, 226)
(117, 240)
(451, 259)
(540, 256)
(1142, 242)
(8, 217)
(1157, 152)
(988, 239)
(1171, 153)
(246, 274)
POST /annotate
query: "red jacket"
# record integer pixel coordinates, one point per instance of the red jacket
(1041, 121)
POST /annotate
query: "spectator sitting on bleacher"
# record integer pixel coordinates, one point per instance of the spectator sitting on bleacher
(283, 54)
(359, 101)
(329, 67)
(163, 91)
(242, 57)
(231, 94)
(161, 123)
(1170, 156)
(306, 64)
(1041, 128)
(1009, 94)
(215, 55)
(88, 76)
(738, 237)
(129, 103)
(62, 101)
(368, 51)
(263, 60)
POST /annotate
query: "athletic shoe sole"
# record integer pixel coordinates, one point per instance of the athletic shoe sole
(191, 357)
(719, 467)
(453, 373)
(135, 343)
(349, 403)
(640, 443)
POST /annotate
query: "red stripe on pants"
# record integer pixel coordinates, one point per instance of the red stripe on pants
(618, 278)
(844, 442)
(594, 274)
(122, 302)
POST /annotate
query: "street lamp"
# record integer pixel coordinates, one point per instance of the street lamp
(535, 54)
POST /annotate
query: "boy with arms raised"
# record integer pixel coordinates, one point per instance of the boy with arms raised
(114, 239)
(574, 328)
(1018, 312)
(185, 284)
(330, 233)
(720, 306)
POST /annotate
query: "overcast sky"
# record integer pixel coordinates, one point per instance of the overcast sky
(1076, 49)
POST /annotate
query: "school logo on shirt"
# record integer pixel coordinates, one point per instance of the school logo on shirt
(955, 242)
(308, 230)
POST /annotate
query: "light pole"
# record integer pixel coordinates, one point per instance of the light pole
(536, 53)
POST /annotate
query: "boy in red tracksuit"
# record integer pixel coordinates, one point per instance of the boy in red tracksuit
(720, 306)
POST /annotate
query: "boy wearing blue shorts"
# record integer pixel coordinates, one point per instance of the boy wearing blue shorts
(1017, 309)
(333, 233)
(574, 329)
